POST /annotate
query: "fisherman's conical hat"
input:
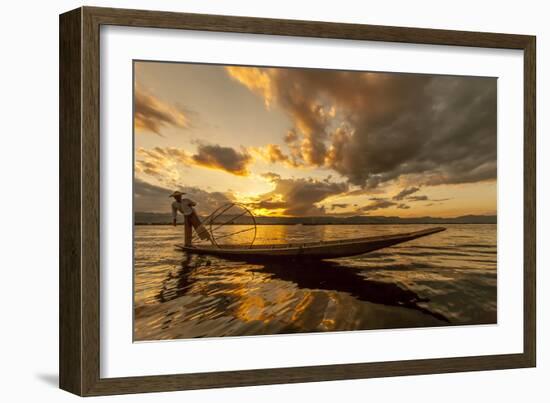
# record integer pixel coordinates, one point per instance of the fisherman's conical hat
(177, 193)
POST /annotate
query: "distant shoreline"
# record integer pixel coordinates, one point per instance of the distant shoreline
(144, 218)
(349, 223)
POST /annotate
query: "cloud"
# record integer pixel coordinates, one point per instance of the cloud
(374, 128)
(162, 162)
(425, 198)
(309, 117)
(377, 204)
(417, 198)
(405, 192)
(298, 197)
(153, 198)
(291, 136)
(270, 153)
(338, 205)
(151, 114)
(224, 158)
(271, 176)
(273, 154)
(256, 79)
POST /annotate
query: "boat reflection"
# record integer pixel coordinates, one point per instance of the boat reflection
(303, 274)
(331, 276)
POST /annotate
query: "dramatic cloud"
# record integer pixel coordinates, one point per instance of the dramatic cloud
(405, 192)
(374, 128)
(155, 199)
(271, 153)
(151, 114)
(298, 197)
(224, 158)
(163, 161)
(339, 205)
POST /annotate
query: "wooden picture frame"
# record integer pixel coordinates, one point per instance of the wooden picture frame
(80, 197)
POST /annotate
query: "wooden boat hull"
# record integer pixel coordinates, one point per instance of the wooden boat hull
(309, 250)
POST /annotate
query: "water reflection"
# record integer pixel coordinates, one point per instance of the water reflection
(326, 275)
(448, 279)
(306, 275)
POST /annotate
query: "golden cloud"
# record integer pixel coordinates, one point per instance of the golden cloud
(162, 162)
(256, 80)
(297, 197)
(151, 114)
(375, 128)
(223, 158)
(272, 153)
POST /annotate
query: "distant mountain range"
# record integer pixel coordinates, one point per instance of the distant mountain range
(142, 218)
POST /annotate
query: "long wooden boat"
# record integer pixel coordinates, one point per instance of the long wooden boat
(311, 250)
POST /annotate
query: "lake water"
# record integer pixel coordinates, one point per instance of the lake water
(448, 278)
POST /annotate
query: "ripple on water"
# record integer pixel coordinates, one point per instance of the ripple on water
(445, 279)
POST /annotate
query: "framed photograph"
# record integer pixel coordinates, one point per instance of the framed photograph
(250, 201)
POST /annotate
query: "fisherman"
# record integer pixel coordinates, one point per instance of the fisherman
(191, 219)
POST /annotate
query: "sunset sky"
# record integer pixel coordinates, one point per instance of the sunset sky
(309, 142)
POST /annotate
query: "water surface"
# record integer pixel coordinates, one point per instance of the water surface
(448, 278)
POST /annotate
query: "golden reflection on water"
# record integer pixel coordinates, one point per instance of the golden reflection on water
(445, 279)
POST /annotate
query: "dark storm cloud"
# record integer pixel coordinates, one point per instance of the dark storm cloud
(151, 114)
(153, 198)
(405, 192)
(224, 158)
(299, 197)
(376, 127)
